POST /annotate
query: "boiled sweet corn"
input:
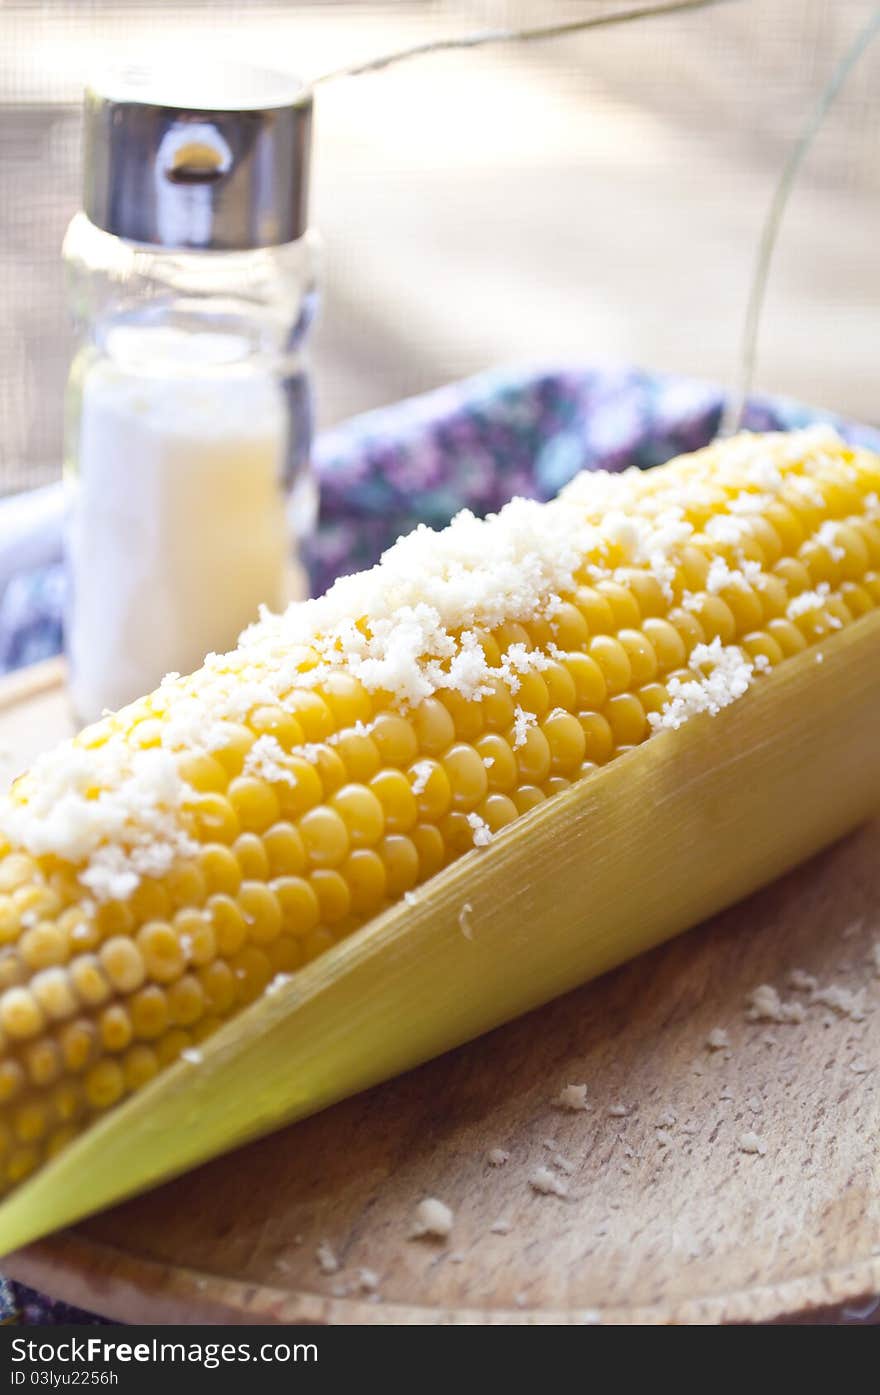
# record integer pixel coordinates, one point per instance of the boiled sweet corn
(188, 857)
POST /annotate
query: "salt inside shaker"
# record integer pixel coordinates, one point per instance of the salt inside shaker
(188, 424)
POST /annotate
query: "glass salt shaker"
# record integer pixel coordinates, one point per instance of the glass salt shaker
(188, 422)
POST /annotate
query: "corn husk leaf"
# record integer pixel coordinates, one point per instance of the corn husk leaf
(664, 836)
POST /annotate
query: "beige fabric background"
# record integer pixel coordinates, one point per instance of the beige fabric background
(597, 196)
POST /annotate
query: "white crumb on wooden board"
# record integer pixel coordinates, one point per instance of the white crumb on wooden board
(501, 1227)
(573, 1098)
(327, 1261)
(750, 1142)
(801, 981)
(497, 1157)
(547, 1183)
(765, 1005)
(433, 1219)
(718, 1039)
(841, 1000)
(618, 1111)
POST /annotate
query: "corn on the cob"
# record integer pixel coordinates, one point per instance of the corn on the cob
(189, 856)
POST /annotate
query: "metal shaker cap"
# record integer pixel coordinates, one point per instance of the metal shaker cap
(213, 158)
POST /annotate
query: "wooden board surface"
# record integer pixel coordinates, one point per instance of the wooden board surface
(666, 1217)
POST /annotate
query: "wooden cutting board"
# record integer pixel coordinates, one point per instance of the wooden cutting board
(666, 1216)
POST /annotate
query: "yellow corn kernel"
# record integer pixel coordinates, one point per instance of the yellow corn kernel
(533, 756)
(274, 721)
(220, 869)
(253, 971)
(467, 777)
(434, 728)
(43, 1062)
(614, 662)
(186, 1001)
(78, 1042)
(254, 802)
(12, 1080)
(498, 706)
(308, 782)
(298, 903)
(566, 739)
(149, 1012)
(395, 739)
(17, 869)
(624, 606)
(428, 843)
(212, 816)
(235, 742)
(262, 914)
(20, 1014)
(561, 688)
(595, 609)
(526, 797)
(185, 885)
(123, 964)
(598, 737)
(532, 695)
(115, 1027)
(787, 636)
(170, 1044)
(139, 1066)
(332, 893)
(251, 855)
(640, 652)
(44, 945)
(104, 1084)
(204, 773)
(162, 953)
(626, 718)
(325, 836)
(230, 930)
(430, 785)
(364, 871)
(591, 689)
(150, 900)
(195, 931)
(498, 810)
(361, 812)
(219, 986)
(468, 718)
(499, 761)
(312, 713)
(359, 754)
(394, 792)
(401, 861)
(568, 627)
